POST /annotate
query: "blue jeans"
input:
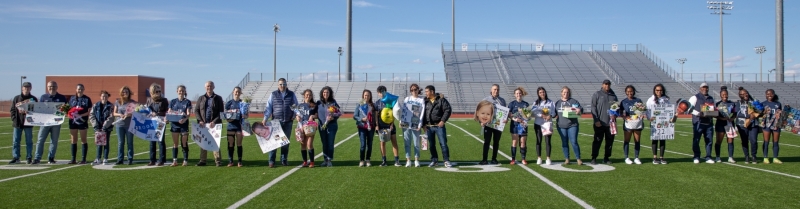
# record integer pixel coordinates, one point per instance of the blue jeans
(707, 130)
(54, 131)
(124, 137)
(570, 134)
(28, 142)
(287, 129)
(749, 136)
(162, 150)
(410, 135)
(442, 133)
(328, 137)
(366, 137)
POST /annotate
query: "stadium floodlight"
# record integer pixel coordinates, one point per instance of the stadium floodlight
(681, 60)
(770, 74)
(20, 79)
(276, 28)
(760, 51)
(719, 8)
(340, 64)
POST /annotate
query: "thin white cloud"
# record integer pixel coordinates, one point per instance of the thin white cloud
(364, 4)
(731, 65)
(788, 60)
(417, 61)
(153, 46)
(733, 59)
(88, 14)
(795, 66)
(791, 73)
(365, 67)
(415, 31)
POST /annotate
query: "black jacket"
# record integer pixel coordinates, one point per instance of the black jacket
(437, 111)
(18, 120)
(217, 106)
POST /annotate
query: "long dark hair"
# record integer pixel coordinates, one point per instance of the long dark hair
(369, 101)
(539, 99)
(749, 97)
(634, 90)
(330, 95)
(310, 100)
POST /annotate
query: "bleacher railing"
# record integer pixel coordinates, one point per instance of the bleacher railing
(532, 47)
(615, 78)
(360, 77)
(736, 78)
(241, 85)
(661, 64)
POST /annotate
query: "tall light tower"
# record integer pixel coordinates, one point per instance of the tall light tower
(681, 60)
(760, 51)
(276, 28)
(340, 64)
(21, 78)
(719, 8)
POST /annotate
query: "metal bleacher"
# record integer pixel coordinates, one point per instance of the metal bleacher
(634, 67)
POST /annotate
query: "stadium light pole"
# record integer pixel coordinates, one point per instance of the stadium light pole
(719, 8)
(454, 24)
(770, 74)
(681, 60)
(340, 64)
(760, 51)
(276, 28)
(20, 79)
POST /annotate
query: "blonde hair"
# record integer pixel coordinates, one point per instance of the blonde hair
(482, 104)
(519, 88)
(569, 91)
(122, 99)
(153, 90)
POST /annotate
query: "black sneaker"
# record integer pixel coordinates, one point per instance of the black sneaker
(494, 162)
(51, 161)
(13, 161)
(433, 164)
(383, 163)
(593, 162)
(29, 160)
(607, 161)
(119, 162)
(483, 163)
(284, 163)
(130, 162)
(201, 164)
(35, 162)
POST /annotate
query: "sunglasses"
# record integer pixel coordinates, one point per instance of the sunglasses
(157, 92)
(281, 84)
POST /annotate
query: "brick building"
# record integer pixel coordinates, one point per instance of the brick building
(139, 84)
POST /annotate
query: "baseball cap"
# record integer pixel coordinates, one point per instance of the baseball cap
(606, 81)
(26, 84)
(703, 85)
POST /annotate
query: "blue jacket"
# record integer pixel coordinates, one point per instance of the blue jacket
(358, 115)
(101, 113)
(322, 112)
(698, 105)
(279, 106)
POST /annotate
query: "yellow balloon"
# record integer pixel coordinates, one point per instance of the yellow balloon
(386, 115)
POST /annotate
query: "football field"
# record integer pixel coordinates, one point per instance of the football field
(679, 184)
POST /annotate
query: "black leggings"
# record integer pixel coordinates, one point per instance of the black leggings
(539, 137)
(659, 144)
(490, 135)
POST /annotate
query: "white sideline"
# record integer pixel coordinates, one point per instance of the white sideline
(276, 180)
(64, 168)
(545, 180)
(726, 163)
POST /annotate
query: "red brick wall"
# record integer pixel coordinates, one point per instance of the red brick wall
(93, 85)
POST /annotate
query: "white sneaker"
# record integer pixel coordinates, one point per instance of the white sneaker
(369, 164)
(416, 163)
(730, 160)
(710, 161)
(105, 161)
(539, 161)
(408, 163)
(361, 164)
(96, 162)
(628, 161)
(637, 161)
(718, 160)
(547, 162)
(447, 164)
(696, 161)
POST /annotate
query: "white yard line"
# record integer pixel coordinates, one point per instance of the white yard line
(544, 179)
(275, 181)
(726, 163)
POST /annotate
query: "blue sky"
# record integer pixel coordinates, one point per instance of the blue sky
(189, 42)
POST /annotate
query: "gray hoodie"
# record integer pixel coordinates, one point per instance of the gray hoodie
(601, 103)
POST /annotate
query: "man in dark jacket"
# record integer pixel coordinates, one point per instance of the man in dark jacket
(279, 107)
(437, 112)
(18, 122)
(209, 106)
(601, 103)
(701, 125)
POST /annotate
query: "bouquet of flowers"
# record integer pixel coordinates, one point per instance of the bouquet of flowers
(525, 115)
(613, 110)
(63, 110)
(546, 111)
(638, 109)
(333, 111)
(142, 109)
(244, 106)
(725, 110)
(754, 108)
(74, 114)
(613, 113)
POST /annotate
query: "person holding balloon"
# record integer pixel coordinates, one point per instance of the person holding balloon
(386, 129)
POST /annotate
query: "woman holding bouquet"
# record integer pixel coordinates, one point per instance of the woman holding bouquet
(235, 126)
(771, 126)
(125, 137)
(309, 110)
(748, 132)
(519, 125)
(158, 106)
(632, 111)
(545, 110)
(725, 108)
(101, 118)
(491, 135)
(568, 127)
(364, 115)
(659, 98)
(327, 120)
(79, 122)
(180, 129)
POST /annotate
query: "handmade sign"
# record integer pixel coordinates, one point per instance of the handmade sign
(500, 118)
(207, 137)
(147, 127)
(663, 127)
(270, 136)
(411, 113)
(43, 113)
